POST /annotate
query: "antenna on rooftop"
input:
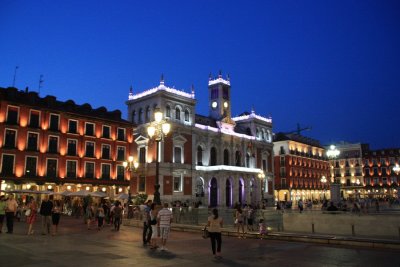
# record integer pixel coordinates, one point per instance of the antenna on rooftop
(15, 75)
(40, 83)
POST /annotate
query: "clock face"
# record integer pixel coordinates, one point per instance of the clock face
(214, 104)
(225, 104)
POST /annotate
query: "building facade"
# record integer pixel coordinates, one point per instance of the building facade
(215, 159)
(46, 144)
(300, 164)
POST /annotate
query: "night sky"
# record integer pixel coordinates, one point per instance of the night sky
(332, 65)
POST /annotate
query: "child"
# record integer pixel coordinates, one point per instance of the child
(263, 228)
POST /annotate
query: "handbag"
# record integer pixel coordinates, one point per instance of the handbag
(206, 233)
(28, 212)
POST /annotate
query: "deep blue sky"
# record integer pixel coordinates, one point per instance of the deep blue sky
(332, 65)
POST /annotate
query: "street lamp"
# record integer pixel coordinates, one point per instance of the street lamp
(332, 154)
(323, 181)
(396, 169)
(130, 166)
(157, 130)
(261, 175)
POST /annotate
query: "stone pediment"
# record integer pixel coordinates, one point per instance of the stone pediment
(141, 139)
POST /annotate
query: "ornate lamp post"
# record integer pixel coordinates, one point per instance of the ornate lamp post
(157, 130)
(261, 175)
(324, 181)
(332, 154)
(131, 166)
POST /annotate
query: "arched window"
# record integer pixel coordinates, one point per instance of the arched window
(133, 116)
(186, 115)
(168, 111)
(177, 114)
(262, 134)
(199, 156)
(238, 158)
(140, 115)
(147, 116)
(226, 157)
(213, 156)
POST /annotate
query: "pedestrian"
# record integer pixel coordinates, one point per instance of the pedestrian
(262, 228)
(164, 218)
(55, 215)
(31, 215)
(11, 210)
(154, 226)
(214, 225)
(46, 208)
(250, 218)
(100, 217)
(300, 205)
(89, 214)
(239, 221)
(147, 229)
(2, 212)
(117, 215)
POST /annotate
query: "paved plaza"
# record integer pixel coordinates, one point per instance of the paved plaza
(77, 246)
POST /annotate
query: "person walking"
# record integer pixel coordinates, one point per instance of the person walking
(55, 216)
(214, 225)
(154, 227)
(89, 213)
(2, 212)
(31, 218)
(45, 211)
(147, 229)
(100, 217)
(239, 221)
(117, 215)
(11, 210)
(164, 220)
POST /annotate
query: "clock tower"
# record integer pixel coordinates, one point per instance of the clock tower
(220, 98)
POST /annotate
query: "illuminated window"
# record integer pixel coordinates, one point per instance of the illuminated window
(178, 183)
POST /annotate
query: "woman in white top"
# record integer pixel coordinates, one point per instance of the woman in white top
(154, 227)
(214, 225)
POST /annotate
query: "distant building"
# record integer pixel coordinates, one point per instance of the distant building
(380, 178)
(214, 159)
(46, 144)
(300, 164)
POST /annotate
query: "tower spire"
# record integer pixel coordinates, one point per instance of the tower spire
(162, 79)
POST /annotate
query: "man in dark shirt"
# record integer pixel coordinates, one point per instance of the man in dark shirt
(45, 210)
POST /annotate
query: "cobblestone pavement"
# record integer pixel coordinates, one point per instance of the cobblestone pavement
(76, 246)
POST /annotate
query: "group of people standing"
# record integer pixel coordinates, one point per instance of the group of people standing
(156, 225)
(49, 210)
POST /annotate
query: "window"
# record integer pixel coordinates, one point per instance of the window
(121, 153)
(178, 183)
(34, 119)
(142, 184)
(71, 169)
(264, 165)
(71, 150)
(121, 134)
(106, 131)
(199, 156)
(214, 93)
(140, 115)
(168, 111)
(384, 181)
(105, 171)
(376, 180)
(238, 158)
(282, 172)
(366, 172)
(226, 157)
(33, 141)
(30, 166)
(133, 116)
(187, 114)
(73, 126)
(283, 182)
(12, 115)
(9, 140)
(177, 114)
(142, 154)
(213, 156)
(282, 160)
(384, 171)
(54, 122)
(147, 115)
(51, 168)
(89, 170)
(105, 151)
(89, 129)
(7, 164)
(89, 149)
(225, 93)
(53, 144)
(120, 172)
(178, 154)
